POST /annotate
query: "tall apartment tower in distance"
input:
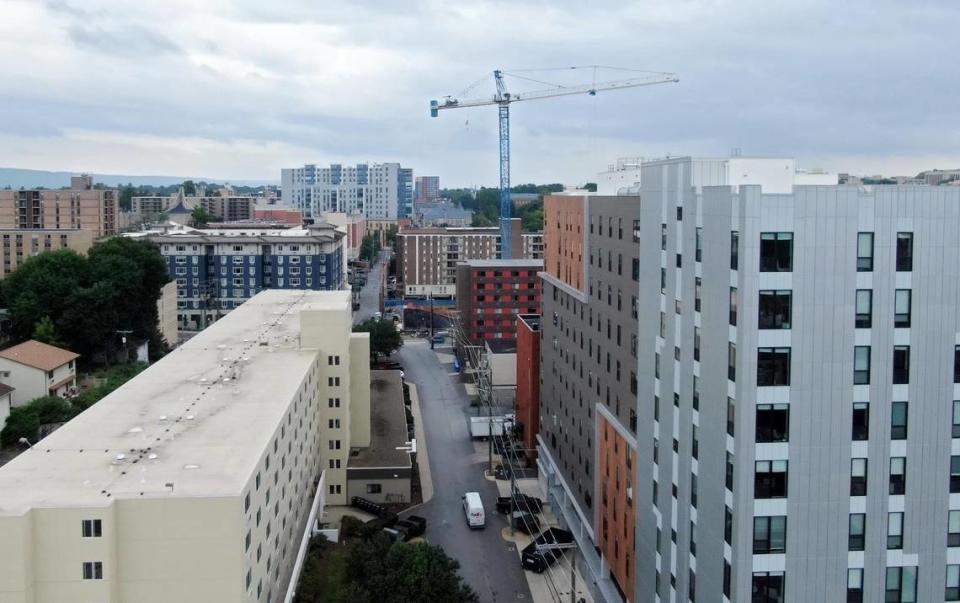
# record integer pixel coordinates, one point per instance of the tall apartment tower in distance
(378, 191)
(799, 412)
(427, 189)
(81, 207)
(195, 480)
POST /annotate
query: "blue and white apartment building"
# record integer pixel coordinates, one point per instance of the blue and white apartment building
(216, 270)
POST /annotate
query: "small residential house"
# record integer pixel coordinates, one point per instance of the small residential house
(6, 401)
(36, 369)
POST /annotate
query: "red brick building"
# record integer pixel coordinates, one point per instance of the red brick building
(491, 293)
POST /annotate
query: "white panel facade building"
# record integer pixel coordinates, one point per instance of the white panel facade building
(798, 405)
(378, 191)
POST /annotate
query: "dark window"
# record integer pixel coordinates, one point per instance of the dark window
(773, 422)
(663, 237)
(955, 427)
(727, 525)
(900, 585)
(733, 306)
(901, 364)
(775, 309)
(898, 421)
(773, 366)
(770, 534)
(894, 531)
(770, 479)
(696, 343)
(858, 477)
(729, 472)
(861, 365)
(952, 587)
(767, 587)
(93, 570)
(864, 309)
(731, 415)
(898, 475)
(663, 280)
(855, 585)
(679, 213)
(776, 252)
(857, 530)
(679, 261)
(956, 364)
(864, 252)
(698, 253)
(904, 251)
(92, 528)
(727, 575)
(635, 270)
(861, 421)
(734, 249)
(955, 475)
(953, 528)
(731, 361)
(901, 308)
(697, 293)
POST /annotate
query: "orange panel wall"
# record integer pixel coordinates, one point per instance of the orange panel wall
(563, 237)
(528, 383)
(617, 513)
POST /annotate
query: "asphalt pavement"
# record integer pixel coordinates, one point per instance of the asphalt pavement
(487, 562)
(370, 294)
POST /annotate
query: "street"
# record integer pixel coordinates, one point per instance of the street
(488, 563)
(370, 294)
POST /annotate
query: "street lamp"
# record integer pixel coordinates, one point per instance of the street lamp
(25, 442)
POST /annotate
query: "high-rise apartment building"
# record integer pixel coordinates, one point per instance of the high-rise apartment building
(427, 258)
(225, 208)
(795, 380)
(427, 189)
(492, 293)
(216, 270)
(378, 191)
(195, 480)
(80, 207)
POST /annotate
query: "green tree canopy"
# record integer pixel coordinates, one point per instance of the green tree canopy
(46, 332)
(385, 339)
(200, 217)
(189, 188)
(43, 286)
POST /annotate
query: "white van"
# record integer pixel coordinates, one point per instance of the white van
(473, 509)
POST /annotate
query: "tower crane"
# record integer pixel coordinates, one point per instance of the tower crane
(503, 98)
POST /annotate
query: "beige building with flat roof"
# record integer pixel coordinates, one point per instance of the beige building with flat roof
(19, 245)
(194, 480)
(80, 207)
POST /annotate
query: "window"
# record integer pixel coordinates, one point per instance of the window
(954, 474)
(901, 364)
(955, 428)
(904, 251)
(894, 531)
(731, 415)
(731, 361)
(635, 269)
(696, 343)
(92, 528)
(733, 306)
(900, 585)
(898, 421)
(773, 366)
(776, 252)
(898, 475)
(93, 570)
(956, 364)
(727, 525)
(953, 528)
(770, 479)
(861, 365)
(773, 422)
(952, 592)
(864, 309)
(729, 470)
(775, 309)
(855, 585)
(861, 421)
(864, 252)
(858, 477)
(374, 488)
(770, 534)
(857, 530)
(697, 293)
(698, 252)
(663, 237)
(901, 308)
(767, 587)
(734, 249)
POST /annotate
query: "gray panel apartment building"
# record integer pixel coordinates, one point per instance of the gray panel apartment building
(797, 390)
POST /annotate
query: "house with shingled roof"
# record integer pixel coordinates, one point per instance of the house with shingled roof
(36, 369)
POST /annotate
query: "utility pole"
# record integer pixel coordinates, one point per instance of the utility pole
(123, 338)
(430, 297)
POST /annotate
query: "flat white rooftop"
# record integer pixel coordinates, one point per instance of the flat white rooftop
(199, 418)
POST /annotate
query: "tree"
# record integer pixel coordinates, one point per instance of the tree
(391, 236)
(378, 570)
(200, 217)
(25, 421)
(43, 286)
(591, 186)
(385, 339)
(189, 188)
(46, 332)
(127, 193)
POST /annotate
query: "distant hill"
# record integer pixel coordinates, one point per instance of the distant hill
(18, 178)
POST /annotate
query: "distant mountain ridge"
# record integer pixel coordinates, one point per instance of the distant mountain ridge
(21, 178)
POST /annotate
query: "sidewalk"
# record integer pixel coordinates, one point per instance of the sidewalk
(423, 460)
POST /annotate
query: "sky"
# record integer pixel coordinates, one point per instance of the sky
(237, 89)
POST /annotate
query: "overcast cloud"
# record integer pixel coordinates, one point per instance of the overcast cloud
(237, 89)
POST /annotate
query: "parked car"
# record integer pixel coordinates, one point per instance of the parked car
(538, 559)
